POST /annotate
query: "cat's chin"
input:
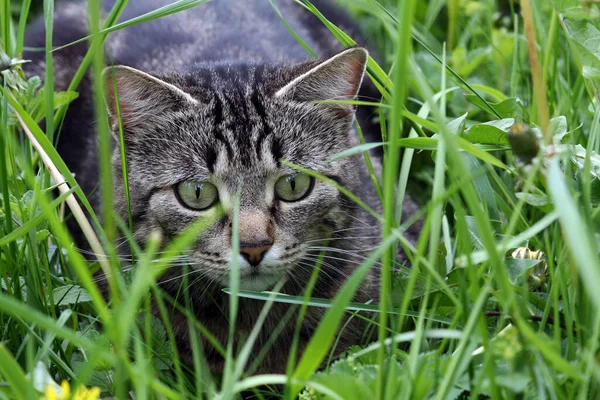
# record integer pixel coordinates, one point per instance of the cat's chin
(255, 282)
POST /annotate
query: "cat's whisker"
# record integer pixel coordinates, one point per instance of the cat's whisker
(366, 223)
(311, 266)
(363, 250)
(347, 229)
(330, 257)
(341, 238)
(356, 262)
(324, 267)
(179, 276)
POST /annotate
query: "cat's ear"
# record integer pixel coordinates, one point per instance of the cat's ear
(337, 78)
(139, 97)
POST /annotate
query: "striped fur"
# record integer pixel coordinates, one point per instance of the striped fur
(224, 97)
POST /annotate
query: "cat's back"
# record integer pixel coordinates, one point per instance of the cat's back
(221, 31)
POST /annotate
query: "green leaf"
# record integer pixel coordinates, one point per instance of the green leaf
(345, 385)
(42, 234)
(483, 186)
(558, 128)
(509, 108)
(536, 200)
(585, 41)
(35, 107)
(578, 159)
(70, 294)
(162, 351)
(572, 9)
(457, 126)
(493, 132)
(518, 268)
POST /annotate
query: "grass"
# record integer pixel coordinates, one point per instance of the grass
(489, 116)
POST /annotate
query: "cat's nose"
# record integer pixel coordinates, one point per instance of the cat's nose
(254, 253)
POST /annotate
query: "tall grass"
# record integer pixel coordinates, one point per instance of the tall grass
(497, 162)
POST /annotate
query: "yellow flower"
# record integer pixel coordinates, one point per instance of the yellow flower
(53, 392)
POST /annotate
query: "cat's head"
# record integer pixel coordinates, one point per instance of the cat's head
(194, 141)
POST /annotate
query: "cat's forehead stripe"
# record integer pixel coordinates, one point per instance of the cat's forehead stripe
(217, 133)
(239, 119)
(265, 128)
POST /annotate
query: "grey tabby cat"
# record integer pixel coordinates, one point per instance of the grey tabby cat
(211, 100)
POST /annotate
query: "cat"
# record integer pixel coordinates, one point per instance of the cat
(212, 100)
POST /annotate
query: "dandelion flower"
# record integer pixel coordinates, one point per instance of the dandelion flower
(53, 392)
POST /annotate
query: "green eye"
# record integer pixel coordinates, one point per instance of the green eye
(197, 195)
(293, 187)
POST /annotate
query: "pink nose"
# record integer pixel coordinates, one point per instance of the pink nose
(254, 254)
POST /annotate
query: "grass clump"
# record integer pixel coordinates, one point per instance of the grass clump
(490, 112)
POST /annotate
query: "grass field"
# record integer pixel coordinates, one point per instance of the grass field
(491, 112)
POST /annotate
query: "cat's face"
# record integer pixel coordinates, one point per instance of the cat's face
(196, 143)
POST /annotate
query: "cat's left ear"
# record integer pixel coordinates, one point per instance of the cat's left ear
(143, 99)
(337, 78)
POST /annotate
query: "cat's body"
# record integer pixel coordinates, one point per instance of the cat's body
(235, 96)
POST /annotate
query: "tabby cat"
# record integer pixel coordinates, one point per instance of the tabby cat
(212, 100)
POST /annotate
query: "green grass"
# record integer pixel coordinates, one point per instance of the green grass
(467, 320)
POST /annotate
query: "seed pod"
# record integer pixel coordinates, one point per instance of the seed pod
(524, 142)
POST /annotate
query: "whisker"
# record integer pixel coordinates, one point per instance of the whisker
(341, 238)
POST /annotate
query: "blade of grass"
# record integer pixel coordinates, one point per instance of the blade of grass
(49, 74)
(234, 283)
(14, 374)
(50, 151)
(5, 23)
(123, 158)
(408, 337)
(583, 248)
(406, 12)
(31, 224)
(160, 12)
(336, 185)
(97, 44)
(244, 354)
(325, 303)
(4, 185)
(262, 380)
(454, 73)
(150, 269)
(463, 345)
(11, 306)
(87, 229)
(25, 6)
(304, 45)
(374, 71)
(366, 156)
(321, 340)
(536, 72)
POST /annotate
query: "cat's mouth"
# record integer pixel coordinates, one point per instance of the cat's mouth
(274, 266)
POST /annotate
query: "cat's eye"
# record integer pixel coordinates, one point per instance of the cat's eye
(293, 187)
(197, 195)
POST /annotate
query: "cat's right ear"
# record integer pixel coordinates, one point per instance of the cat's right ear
(338, 78)
(139, 98)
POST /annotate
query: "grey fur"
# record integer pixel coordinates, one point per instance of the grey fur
(228, 96)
